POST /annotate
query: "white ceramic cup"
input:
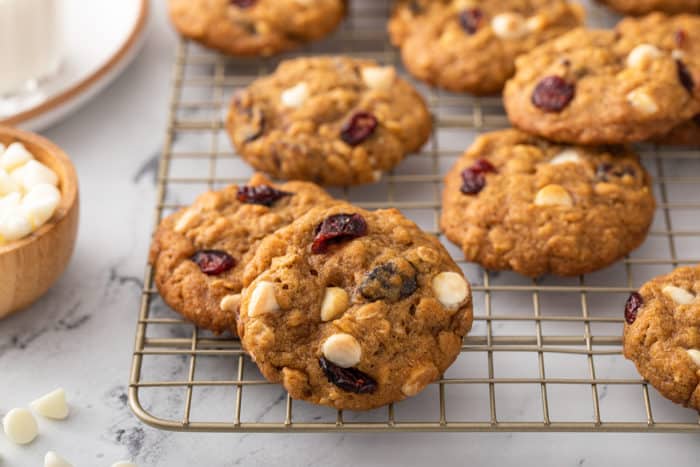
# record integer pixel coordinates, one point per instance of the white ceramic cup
(30, 43)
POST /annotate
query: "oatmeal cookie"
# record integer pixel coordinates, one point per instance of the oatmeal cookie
(330, 120)
(353, 309)
(643, 7)
(687, 134)
(517, 202)
(662, 334)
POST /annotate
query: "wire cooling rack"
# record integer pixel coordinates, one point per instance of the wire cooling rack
(544, 355)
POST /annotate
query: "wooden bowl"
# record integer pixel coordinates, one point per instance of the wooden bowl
(28, 267)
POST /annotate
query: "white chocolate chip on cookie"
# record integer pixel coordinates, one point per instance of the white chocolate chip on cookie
(263, 300)
(230, 303)
(335, 302)
(553, 195)
(450, 289)
(678, 295)
(379, 77)
(642, 101)
(568, 155)
(694, 356)
(295, 96)
(343, 350)
(186, 220)
(642, 55)
(509, 26)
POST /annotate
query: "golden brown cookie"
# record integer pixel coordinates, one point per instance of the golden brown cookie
(353, 309)
(643, 7)
(330, 120)
(255, 27)
(609, 87)
(517, 202)
(200, 252)
(471, 46)
(662, 334)
(686, 134)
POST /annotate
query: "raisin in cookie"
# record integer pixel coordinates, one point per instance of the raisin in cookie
(642, 7)
(255, 27)
(331, 120)
(471, 46)
(662, 334)
(517, 202)
(353, 309)
(608, 87)
(687, 134)
(199, 253)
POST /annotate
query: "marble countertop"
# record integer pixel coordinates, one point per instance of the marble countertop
(80, 335)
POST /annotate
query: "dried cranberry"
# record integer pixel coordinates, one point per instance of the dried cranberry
(348, 379)
(470, 19)
(553, 94)
(632, 307)
(473, 179)
(684, 76)
(680, 36)
(213, 262)
(336, 229)
(360, 127)
(390, 282)
(264, 195)
(605, 170)
(243, 3)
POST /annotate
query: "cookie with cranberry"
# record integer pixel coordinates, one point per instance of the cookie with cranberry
(471, 46)
(607, 87)
(330, 120)
(353, 309)
(662, 334)
(199, 253)
(643, 7)
(255, 27)
(517, 202)
(687, 134)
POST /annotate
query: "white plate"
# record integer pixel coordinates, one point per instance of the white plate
(101, 38)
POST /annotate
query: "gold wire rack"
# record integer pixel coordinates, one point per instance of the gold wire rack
(544, 355)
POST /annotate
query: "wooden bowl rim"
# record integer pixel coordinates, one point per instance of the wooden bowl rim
(69, 183)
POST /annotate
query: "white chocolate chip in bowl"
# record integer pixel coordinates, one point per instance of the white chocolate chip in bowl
(553, 195)
(20, 426)
(678, 295)
(335, 302)
(263, 300)
(40, 204)
(343, 350)
(568, 155)
(14, 225)
(34, 173)
(295, 96)
(52, 405)
(642, 55)
(14, 156)
(694, 356)
(7, 183)
(642, 101)
(509, 26)
(51, 459)
(379, 77)
(451, 289)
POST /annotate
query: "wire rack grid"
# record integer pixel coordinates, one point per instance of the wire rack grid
(544, 355)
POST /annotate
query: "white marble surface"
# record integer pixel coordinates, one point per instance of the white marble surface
(80, 335)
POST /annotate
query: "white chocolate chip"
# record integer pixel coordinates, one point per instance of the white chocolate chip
(20, 426)
(7, 183)
(52, 405)
(343, 350)
(418, 379)
(642, 55)
(34, 173)
(39, 205)
(536, 23)
(14, 156)
(553, 195)
(450, 289)
(262, 299)
(694, 356)
(678, 54)
(642, 101)
(295, 96)
(51, 459)
(379, 77)
(678, 295)
(335, 302)
(9, 202)
(509, 26)
(230, 303)
(186, 220)
(568, 155)
(377, 175)
(14, 225)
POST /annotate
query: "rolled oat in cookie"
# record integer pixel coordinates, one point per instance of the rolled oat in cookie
(662, 334)
(353, 309)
